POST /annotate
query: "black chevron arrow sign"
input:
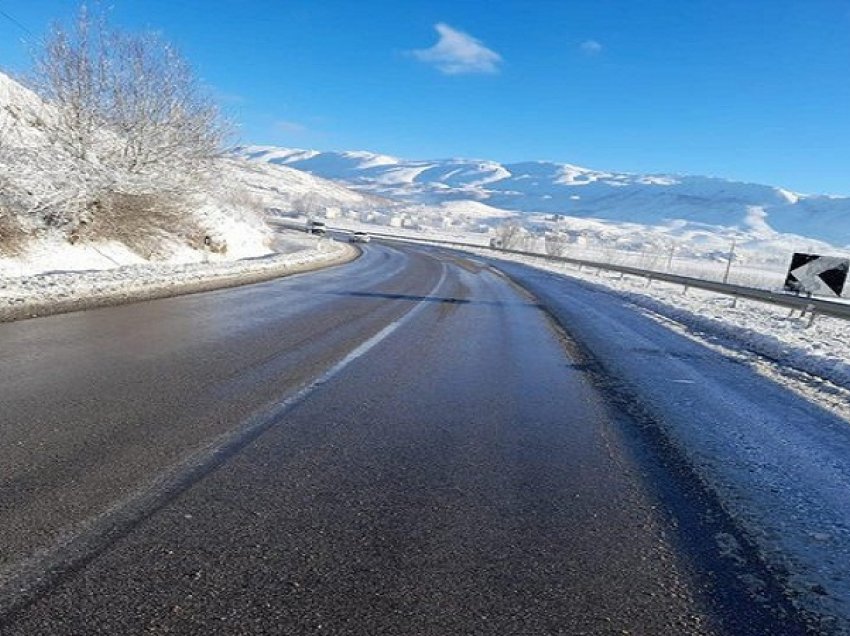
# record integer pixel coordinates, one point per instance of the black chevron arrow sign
(817, 275)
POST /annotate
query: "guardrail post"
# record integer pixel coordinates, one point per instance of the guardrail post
(685, 290)
(729, 262)
(812, 317)
(648, 281)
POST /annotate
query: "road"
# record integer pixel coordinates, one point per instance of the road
(402, 445)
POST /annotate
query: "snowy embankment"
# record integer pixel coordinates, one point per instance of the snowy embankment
(777, 460)
(59, 292)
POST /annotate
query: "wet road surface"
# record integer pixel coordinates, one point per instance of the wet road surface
(401, 445)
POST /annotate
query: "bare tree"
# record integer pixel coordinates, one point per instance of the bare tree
(529, 242)
(156, 107)
(25, 182)
(510, 234)
(69, 74)
(128, 105)
(555, 244)
(308, 205)
(116, 137)
(11, 232)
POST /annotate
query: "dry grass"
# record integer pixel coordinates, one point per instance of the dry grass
(13, 237)
(142, 222)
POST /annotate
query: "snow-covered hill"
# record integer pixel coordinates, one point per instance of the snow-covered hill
(37, 175)
(556, 188)
(61, 210)
(290, 190)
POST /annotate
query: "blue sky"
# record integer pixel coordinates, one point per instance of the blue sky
(756, 90)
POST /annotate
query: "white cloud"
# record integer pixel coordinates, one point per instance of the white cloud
(458, 53)
(591, 47)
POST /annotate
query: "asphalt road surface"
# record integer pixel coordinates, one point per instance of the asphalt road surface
(401, 445)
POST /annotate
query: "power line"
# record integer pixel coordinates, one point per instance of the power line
(17, 23)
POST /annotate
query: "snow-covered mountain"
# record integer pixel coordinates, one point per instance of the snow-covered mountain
(558, 188)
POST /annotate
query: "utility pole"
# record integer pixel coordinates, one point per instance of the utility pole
(729, 262)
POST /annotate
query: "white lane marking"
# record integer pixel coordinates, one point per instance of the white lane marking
(24, 581)
(362, 349)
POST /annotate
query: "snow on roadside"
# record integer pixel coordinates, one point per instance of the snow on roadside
(822, 350)
(778, 464)
(61, 291)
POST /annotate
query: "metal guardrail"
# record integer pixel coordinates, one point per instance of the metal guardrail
(813, 306)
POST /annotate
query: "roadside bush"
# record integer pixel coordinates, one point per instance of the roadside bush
(142, 222)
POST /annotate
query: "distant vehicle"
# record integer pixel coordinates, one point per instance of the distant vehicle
(360, 237)
(317, 227)
(496, 242)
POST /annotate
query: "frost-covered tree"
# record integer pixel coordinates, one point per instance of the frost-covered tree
(11, 231)
(124, 101)
(115, 116)
(555, 244)
(308, 205)
(510, 234)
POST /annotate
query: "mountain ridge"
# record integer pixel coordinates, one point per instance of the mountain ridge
(572, 190)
